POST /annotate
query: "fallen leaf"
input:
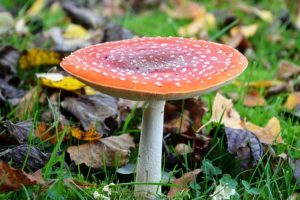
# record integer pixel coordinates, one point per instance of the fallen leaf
(184, 10)
(183, 182)
(35, 159)
(9, 57)
(27, 102)
(222, 192)
(115, 32)
(247, 31)
(59, 81)
(10, 93)
(81, 15)
(79, 184)
(74, 31)
(203, 22)
(20, 130)
(245, 145)
(183, 149)
(36, 7)
(265, 15)
(197, 109)
(99, 110)
(253, 98)
(48, 133)
(259, 84)
(90, 135)
(112, 8)
(287, 70)
(238, 41)
(14, 179)
(269, 134)
(68, 45)
(37, 57)
(292, 101)
(175, 122)
(223, 112)
(108, 151)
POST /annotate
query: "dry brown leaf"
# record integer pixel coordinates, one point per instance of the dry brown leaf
(183, 182)
(184, 10)
(287, 70)
(90, 135)
(292, 101)
(176, 122)
(82, 185)
(253, 98)
(109, 151)
(269, 134)
(47, 133)
(238, 41)
(223, 109)
(183, 149)
(27, 102)
(14, 179)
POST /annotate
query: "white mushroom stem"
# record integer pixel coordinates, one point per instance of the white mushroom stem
(150, 151)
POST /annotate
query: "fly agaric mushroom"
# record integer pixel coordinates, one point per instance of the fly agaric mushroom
(155, 70)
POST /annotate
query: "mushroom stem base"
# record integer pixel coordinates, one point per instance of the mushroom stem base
(150, 151)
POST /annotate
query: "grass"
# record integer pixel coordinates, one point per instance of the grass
(273, 178)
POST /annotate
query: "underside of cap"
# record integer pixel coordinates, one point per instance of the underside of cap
(156, 68)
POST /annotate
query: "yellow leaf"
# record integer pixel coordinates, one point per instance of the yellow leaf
(184, 10)
(259, 84)
(223, 109)
(268, 134)
(247, 31)
(56, 80)
(90, 135)
(36, 57)
(223, 112)
(263, 14)
(292, 101)
(74, 31)
(36, 7)
(202, 22)
(89, 90)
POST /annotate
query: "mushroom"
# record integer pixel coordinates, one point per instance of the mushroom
(155, 70)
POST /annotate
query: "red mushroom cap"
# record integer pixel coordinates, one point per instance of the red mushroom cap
(156, 68)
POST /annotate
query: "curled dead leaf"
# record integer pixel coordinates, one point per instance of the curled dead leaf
(99, 110)
(108, 151)
(35, 159)
(14, 179)
(287, 70)
(90, 135)
(269, 134)
(223, 112)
